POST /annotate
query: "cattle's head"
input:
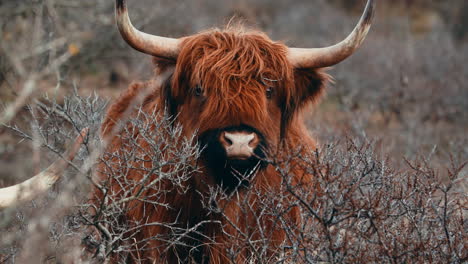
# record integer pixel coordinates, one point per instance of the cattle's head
(239, 90)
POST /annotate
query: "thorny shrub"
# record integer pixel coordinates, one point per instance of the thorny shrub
(359, 209)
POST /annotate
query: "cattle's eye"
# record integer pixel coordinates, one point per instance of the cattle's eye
(198, 90)
(269, 92)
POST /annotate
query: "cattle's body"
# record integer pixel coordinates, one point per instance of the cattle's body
(187, 209)
(242, 96)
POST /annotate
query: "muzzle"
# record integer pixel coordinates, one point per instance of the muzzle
(234, 155)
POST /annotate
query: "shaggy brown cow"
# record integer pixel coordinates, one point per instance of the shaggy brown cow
(242, 95)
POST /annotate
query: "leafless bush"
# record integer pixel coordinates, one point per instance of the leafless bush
(162, 147)
(358, 209)
(363, 210)
(50, 127)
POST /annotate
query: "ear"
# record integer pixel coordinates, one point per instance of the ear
(164, 69)
(169, 102)
(309, 86)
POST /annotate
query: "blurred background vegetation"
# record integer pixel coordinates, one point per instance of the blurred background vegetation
(405, 89)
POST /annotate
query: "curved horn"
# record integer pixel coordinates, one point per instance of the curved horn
(329, 56)
(146, 43)
(40, 183)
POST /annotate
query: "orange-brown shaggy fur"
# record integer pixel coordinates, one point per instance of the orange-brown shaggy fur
(233, 68)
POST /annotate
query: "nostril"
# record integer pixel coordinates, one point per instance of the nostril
(227, 140)
(254, 142)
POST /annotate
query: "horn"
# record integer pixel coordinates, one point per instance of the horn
(329, 56)
(40, 183)
(150, 44)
